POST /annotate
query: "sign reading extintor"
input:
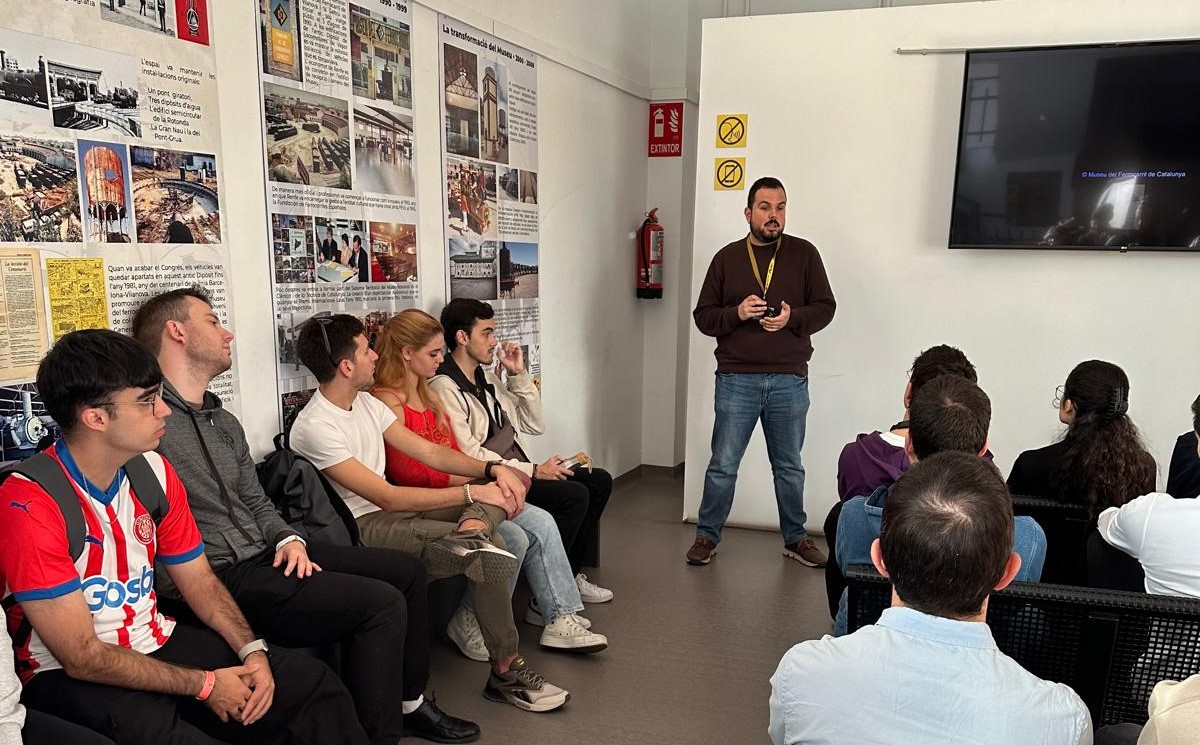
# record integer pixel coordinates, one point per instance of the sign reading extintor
(666, 130)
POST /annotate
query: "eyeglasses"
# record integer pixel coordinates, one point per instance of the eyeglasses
(1058, 397)
(155, 395)
(322, 322)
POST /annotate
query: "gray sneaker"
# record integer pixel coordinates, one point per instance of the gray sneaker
(524, 689)
(470, 553)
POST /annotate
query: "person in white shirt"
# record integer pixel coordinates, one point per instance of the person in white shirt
(1160, 532)
(342, 430)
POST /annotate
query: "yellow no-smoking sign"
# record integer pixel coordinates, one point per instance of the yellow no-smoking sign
(731, 130)
(729, 174)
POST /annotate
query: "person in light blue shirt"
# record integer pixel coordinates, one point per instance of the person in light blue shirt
(929, 671)
(949, 413)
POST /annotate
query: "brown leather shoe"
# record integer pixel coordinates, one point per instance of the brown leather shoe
(805, 552)
(701, 551)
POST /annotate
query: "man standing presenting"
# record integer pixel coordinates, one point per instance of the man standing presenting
(764, 297)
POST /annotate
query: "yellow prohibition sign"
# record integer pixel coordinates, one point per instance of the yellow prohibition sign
(731, 130)
(729, 174)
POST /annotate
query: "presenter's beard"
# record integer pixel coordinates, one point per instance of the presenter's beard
(761, 235)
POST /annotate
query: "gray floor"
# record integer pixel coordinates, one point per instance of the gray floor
(691, 648)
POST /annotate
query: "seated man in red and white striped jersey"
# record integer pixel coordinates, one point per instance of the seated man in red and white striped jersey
(91, 645)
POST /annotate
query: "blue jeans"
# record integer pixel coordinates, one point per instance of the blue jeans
(533, 538)
(781, 401)
(546, 566)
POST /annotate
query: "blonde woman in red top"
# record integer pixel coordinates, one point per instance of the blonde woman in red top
(410, 349)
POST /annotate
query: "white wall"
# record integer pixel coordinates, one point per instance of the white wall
(593, 186)
(865, 140)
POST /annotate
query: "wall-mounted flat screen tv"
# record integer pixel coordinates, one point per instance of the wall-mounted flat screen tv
(1080, 147)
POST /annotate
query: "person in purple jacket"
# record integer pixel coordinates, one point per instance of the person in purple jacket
(878, 458)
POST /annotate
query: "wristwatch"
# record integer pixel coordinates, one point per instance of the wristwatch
(258, 645)
(487, 468)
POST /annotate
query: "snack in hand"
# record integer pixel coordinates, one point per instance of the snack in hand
(577, 461)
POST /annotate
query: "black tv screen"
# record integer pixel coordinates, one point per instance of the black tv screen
(1080, 147)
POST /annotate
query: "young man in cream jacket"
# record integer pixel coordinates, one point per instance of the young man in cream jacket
(489, 413)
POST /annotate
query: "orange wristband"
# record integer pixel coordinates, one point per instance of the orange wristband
(210, 682)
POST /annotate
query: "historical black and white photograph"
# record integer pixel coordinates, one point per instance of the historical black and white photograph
(93, 89)
(24, 96)
(149, 15)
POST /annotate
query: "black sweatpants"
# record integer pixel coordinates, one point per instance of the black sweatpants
(370, 601)
(576, 505)
(310, 707)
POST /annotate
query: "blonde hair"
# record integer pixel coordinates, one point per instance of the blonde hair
(411, 329)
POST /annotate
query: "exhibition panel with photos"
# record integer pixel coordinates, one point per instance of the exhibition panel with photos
(490, 165)
(337, 118)
(110, 180)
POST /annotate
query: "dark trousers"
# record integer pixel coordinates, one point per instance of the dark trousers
(43, 729)
(576, 505)
(835, 583)
(310, 707)
(370, 601)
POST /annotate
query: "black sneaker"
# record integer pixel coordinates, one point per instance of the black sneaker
(524, 689)
(431, 723)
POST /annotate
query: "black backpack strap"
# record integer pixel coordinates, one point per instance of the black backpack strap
(48, 474)
(145, 484)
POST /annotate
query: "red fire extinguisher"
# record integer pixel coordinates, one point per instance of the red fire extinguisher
(650, 257)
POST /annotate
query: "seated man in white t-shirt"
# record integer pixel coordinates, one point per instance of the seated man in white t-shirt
(1160, 532)
(342, 430)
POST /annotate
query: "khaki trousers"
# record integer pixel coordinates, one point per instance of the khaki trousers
(413, 532)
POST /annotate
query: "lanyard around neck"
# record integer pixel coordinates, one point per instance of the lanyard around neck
(770, 267)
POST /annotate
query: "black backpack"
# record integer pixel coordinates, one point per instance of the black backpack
(304, 497)
(48, 474)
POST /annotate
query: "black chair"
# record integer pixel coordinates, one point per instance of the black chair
(835, 583)
(1110, 568)
(1111, 647)
(1066, 527)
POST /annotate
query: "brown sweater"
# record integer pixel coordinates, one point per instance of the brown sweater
(744, 346)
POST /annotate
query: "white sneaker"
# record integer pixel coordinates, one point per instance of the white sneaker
(463, 630)
(533, 616)
(567, 634)
(591, 592)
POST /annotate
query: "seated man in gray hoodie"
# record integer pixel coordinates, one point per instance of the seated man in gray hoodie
(371, 601)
